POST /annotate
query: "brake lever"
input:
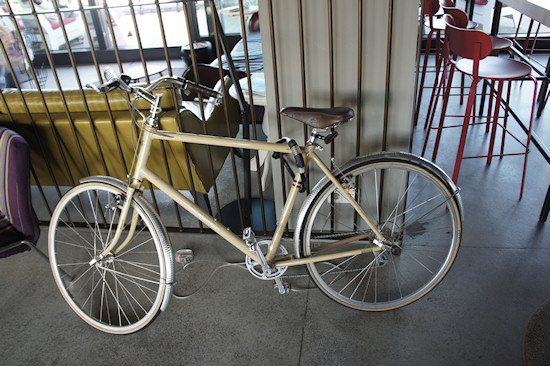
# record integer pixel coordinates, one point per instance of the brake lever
(94, 88)
(105, 88)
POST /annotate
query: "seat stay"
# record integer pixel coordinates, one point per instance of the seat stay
(379, 237)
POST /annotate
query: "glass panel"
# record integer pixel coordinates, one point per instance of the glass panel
(201, 18)
(148, 24)
(10, 31)
(511, 21)
(230, 14)
(542, 3)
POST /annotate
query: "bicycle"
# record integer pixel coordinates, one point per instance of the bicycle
(377, 233)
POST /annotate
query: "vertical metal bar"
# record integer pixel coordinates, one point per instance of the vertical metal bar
(496, 17)
(144, 65)
(37, 134)
(50, 120)
(138, 39)
(331, 89)
(245, 112)
(276, 87)
(235, 80)
(77, 76)
(163, 37)
(359, 96)
(303, 73)
(252, 112)
(386, 104)
(112, 33)
(79, 82)
(302, 61)
(201, 106)
(14, 127)
(98, 71)
(174, 100)
(52, 67)
(42, 194)
(331, 57)
(388, 77)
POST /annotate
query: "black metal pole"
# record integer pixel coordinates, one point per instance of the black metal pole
(245, 115)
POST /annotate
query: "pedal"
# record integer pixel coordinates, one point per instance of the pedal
(184, 256)
(282, 286)
(250, 238)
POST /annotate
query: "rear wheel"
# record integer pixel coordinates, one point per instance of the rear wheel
(413, 208)
(122, 292)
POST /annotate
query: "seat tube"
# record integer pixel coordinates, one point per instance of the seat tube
(287, 209)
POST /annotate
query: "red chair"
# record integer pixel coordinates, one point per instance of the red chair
(461, 20)
(449, 4)
(474, 49)
(499, 44)
(436, 25)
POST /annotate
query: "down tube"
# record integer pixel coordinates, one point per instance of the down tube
(199, 213)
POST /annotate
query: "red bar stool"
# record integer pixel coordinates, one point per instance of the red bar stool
(449, 4)
(474, 49)
(436, 25)
(499, 45)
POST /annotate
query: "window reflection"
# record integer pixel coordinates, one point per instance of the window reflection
(42, 36)
(230, 13)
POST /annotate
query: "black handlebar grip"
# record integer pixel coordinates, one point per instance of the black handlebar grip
(196, 88)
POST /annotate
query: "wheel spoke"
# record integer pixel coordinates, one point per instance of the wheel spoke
(415, 212)
(119, 293)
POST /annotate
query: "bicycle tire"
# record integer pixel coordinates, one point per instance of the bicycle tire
(120, 294)
(412, 202)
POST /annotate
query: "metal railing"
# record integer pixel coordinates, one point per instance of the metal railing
(41, 56)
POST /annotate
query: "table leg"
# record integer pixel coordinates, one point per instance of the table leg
(545, 207)
(543, 90)
(470, 8)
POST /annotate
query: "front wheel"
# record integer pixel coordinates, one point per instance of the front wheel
(123, 292)
(413, 206)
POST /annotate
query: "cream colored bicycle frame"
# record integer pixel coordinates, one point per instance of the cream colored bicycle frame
(142, 172)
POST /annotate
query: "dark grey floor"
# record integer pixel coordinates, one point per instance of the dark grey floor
(476, 316)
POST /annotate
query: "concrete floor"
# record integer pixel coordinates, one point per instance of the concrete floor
(476, 316)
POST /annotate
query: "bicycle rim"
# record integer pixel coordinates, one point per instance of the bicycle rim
(411, 207)
(121, 293)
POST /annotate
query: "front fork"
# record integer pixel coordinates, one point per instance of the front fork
(114, 247)
(135, 184)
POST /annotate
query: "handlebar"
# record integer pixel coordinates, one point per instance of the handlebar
(124, 82)
(192, 87)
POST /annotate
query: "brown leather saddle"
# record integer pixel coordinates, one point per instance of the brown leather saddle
(319, 117)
